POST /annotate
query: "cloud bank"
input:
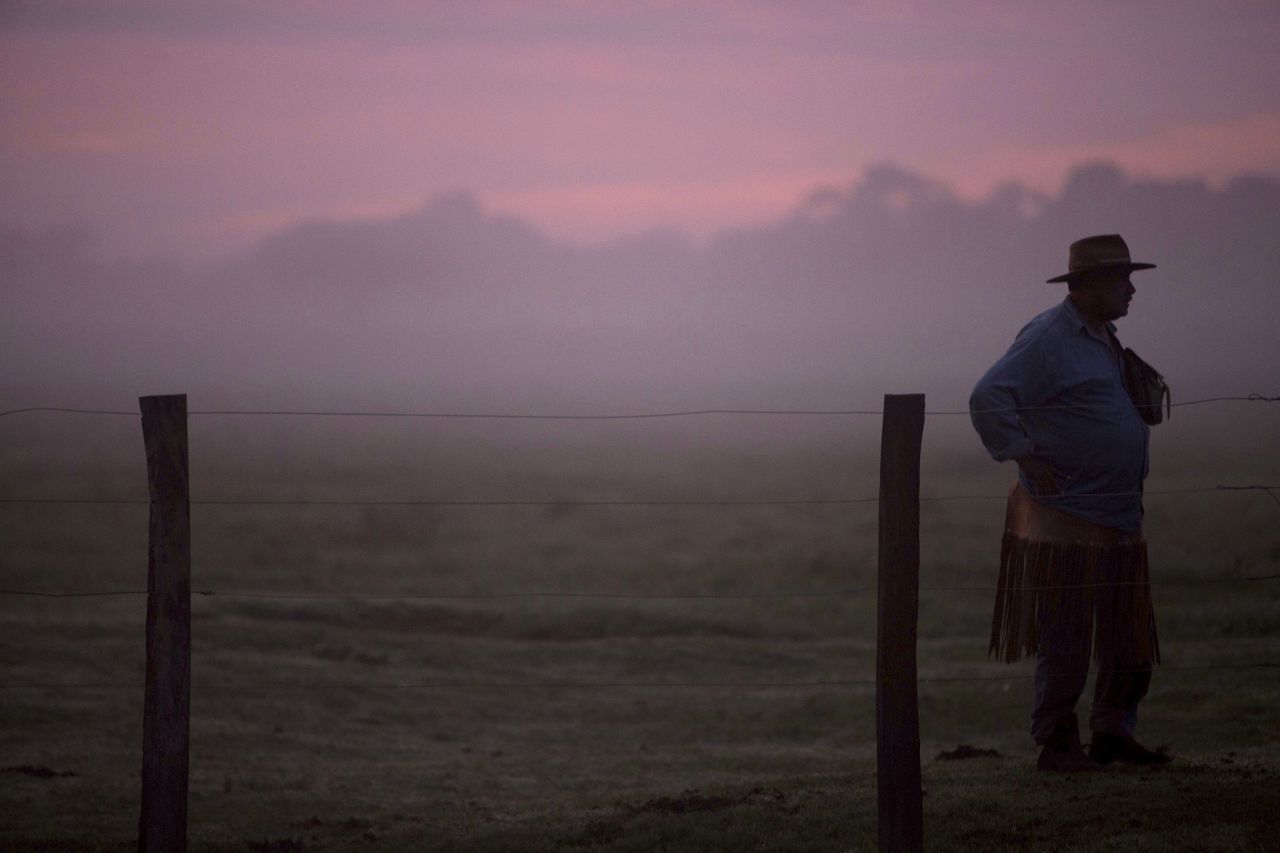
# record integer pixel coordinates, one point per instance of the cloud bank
(891, 283)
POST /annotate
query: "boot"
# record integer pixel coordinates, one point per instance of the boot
(1062, 752)
(1107, 748)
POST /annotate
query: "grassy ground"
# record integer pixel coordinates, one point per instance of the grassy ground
(469, 724)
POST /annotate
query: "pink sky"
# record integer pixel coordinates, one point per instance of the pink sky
(193, 129)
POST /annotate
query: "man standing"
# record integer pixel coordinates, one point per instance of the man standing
(1073, 564)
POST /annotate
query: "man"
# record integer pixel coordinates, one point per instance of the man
(1073, 565)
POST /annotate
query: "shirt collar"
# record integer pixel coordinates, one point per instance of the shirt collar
(1077, 320)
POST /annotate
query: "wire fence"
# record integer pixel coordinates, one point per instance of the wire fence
(1251, 398)
(168, 689)
(844, 592)
(1270, 490)
(264, 686)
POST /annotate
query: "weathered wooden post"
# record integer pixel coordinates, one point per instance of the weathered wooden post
(901, 815)
(162, 825)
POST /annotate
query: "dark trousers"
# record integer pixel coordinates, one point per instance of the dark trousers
(1060, 678)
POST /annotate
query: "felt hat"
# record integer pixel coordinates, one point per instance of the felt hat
(1103, 252)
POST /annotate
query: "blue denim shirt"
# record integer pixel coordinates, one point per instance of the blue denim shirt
(1099, 446)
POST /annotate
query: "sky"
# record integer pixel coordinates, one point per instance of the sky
(194, 131)
(626, 206)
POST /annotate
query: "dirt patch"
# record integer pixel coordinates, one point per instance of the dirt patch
(279, 845)
(964, 751)
(351, 824)
(39, 771)
(605, 831)
(694, 801)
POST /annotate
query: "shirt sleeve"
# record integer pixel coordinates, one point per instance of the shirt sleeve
(1022, 377)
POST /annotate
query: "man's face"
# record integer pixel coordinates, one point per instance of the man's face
(1108, 293)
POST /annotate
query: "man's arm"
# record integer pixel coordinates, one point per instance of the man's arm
(1021, 378)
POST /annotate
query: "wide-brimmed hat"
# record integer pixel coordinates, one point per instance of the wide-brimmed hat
(1103, 252)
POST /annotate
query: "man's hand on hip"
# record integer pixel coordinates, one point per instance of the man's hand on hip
(1042, 475)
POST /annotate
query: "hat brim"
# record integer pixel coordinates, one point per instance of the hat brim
(1070, 275)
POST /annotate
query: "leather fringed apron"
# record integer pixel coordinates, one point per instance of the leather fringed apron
(1059, 572)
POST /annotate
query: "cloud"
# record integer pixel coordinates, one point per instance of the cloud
(892, 281)
(173, 127)
(699, 208)
(1169, 152)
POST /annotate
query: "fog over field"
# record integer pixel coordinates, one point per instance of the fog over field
(889, 283)
(566, 632)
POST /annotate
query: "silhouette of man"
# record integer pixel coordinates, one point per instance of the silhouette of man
(1073, 566)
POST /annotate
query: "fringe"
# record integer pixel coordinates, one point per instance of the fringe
(1055, 595)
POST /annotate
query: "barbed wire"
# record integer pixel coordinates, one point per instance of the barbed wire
(843, 592)
(1268, 489)
(605, 417)
(478, 503)
(67, 411)
(261, 687)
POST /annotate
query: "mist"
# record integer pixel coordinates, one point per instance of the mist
(889, 284)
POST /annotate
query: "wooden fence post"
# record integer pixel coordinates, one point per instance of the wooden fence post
(901, 815)
(162, 825)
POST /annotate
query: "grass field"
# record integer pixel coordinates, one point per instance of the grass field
(472, 723)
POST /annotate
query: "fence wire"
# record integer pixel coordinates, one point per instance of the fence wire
(843, 592)
(1270, 490)
(1253, 398)
(266, 686)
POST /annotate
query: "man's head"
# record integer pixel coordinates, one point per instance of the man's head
(1102, 294)
(1098, 276)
